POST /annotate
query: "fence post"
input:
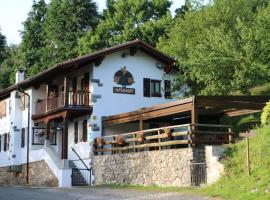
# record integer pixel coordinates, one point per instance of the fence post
(230, 135)
(189, 136)
(159, 147)
(134, 137)
(248, 155)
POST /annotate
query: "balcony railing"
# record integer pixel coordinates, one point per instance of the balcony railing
(78, 98)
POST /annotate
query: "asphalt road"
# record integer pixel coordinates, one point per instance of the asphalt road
(23, 193)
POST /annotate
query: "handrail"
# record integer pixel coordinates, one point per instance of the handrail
(80, 158)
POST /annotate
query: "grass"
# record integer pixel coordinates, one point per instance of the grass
(235, 183)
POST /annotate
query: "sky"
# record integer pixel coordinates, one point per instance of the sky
(14, 12)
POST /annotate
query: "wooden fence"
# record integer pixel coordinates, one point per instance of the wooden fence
(178, 136)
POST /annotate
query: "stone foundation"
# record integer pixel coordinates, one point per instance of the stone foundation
(163, 168)
(169, 167)
(39, 175)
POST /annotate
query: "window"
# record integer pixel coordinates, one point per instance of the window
(167, 86)
(22, 137)
(152, 88)
(39, 136)
(84, 137)
(53, 137)
(76, 133)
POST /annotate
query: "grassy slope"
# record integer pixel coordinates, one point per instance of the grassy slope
(236, 184)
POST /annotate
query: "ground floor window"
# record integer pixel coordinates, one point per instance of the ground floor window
(84, 136)
(39, 136)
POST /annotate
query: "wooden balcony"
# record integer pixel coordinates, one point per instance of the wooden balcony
(78, 99)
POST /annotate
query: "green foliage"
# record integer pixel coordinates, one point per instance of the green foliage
(265, 118)
(236, 184)
(126, 20)
(2, 47)
(242, 123)
(213, 48)
(66, 22)
(10, 65)
(33, 38)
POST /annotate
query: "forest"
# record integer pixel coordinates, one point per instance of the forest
(221, 48)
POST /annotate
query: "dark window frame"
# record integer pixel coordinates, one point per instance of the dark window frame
(33, 137)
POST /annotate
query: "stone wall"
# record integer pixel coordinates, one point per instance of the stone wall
(169, 167)
(163, 168)
(39, 175)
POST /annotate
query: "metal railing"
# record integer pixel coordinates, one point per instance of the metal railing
(81, 176)
(166, 137)
(78, 98)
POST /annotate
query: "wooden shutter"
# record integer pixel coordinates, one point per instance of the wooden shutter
(84, 131)
(23, 138)
(146, 87)
(167, 86)
(5, 142)
(76, 132)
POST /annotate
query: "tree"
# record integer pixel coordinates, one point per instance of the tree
(126, 20)
(33, 38)
(2, 47)
(66, 22)
(213, 55)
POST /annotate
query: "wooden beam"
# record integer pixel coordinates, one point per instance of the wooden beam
(64, 153)
(194, 119)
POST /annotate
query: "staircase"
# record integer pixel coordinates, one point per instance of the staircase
(77, 178)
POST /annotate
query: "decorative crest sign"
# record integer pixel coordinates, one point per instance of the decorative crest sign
(123, 77)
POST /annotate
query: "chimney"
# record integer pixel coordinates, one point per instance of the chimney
(19, 76)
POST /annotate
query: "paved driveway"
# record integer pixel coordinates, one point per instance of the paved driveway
(23, 193)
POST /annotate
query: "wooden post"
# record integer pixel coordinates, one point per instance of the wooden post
(194, 119)
(47, 95)
(159, 147)
(248, 156)
(230, 135)
(134, 143)
(66, 91)
(64, 153)
(141, 123)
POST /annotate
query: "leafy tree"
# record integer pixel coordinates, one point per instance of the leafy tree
(213, 53)
(2, 47)
(33, 38)
(10, 65)
(65, 23)
(125, 20)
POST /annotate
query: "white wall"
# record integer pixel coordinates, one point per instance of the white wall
(141, 65)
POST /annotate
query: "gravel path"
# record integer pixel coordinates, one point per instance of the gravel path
(23, 193)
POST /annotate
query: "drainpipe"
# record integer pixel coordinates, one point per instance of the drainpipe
(28, 131)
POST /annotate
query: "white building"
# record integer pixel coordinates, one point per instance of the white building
(67, 103)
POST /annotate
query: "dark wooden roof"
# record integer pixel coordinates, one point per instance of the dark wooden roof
(206, 106)
(68, 65)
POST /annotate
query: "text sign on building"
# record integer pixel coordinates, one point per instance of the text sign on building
(123, 77)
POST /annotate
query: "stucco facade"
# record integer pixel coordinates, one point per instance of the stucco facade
(103, 101)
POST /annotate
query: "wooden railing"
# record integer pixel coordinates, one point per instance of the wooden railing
(79, 98)
(178, 136)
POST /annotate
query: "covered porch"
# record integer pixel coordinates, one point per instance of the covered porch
(188, 122)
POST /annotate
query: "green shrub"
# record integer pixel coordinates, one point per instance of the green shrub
(265, 118)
